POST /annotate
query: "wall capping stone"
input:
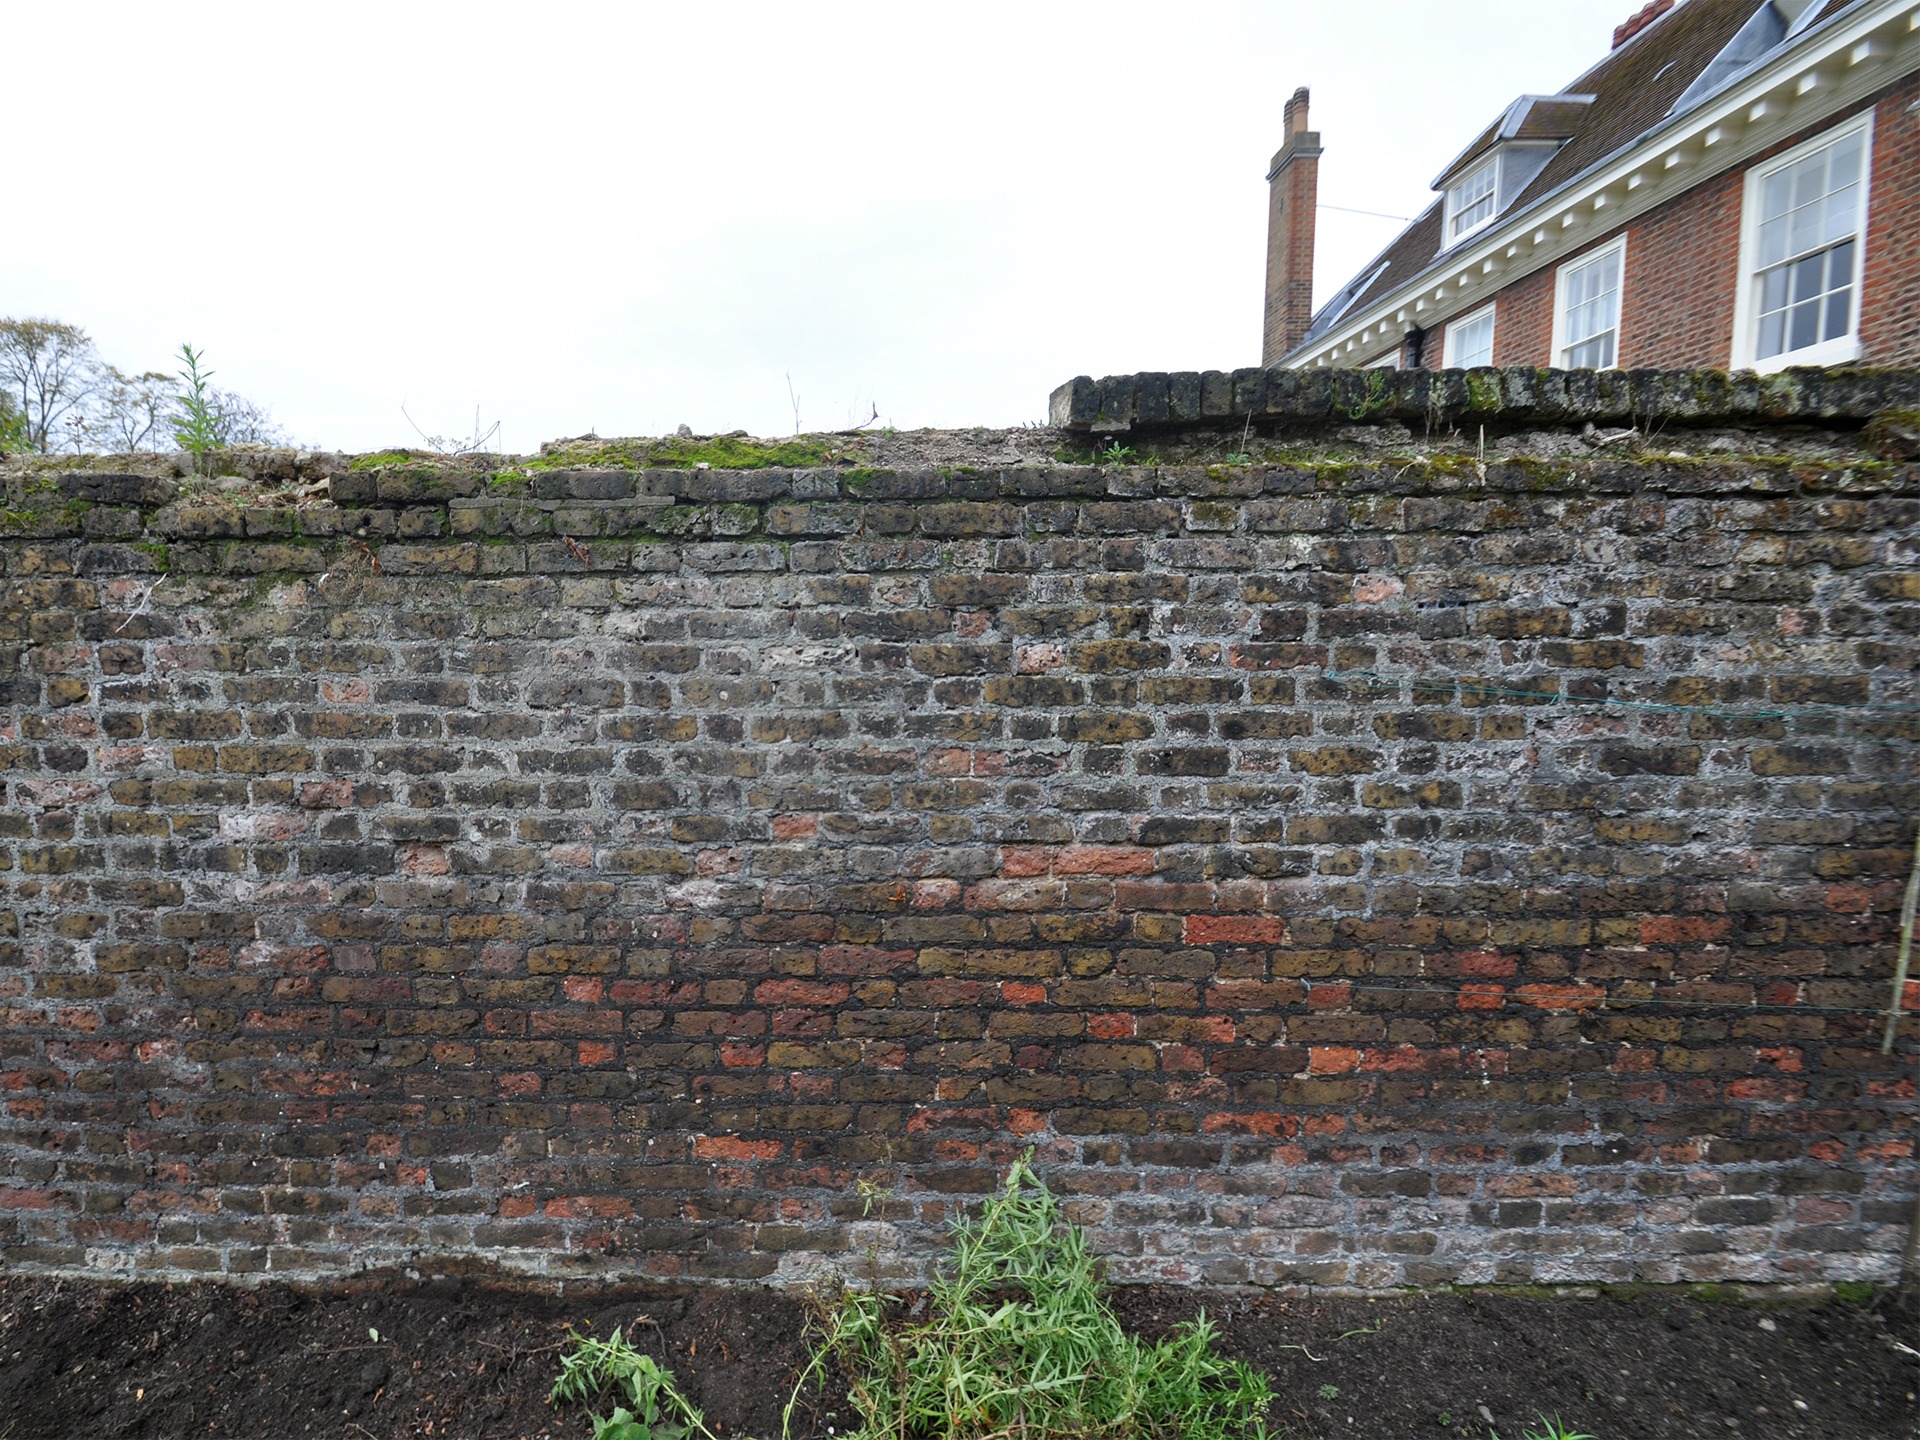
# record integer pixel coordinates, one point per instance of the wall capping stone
(1154, 400)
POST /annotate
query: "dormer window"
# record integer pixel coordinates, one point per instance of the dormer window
(1471, 203)
(1495, 170)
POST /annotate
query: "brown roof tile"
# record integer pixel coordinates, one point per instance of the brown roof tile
(1636, 85)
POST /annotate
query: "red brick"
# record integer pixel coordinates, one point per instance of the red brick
(1482, 997)
(1103, 860)
(1235, 930)
(1018, 863)
(1332, 1059)
(728, 1147)
(801, 992)
(1560, 997)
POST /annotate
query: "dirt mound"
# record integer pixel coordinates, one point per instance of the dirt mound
(390, 1358)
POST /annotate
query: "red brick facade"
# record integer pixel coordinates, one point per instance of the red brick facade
(1890, 328)
(1682, 272)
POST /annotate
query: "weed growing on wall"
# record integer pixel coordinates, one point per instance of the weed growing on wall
(653, 1408)
(1019, 1339)
(197, 429)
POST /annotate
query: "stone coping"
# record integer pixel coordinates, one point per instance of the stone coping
(1155, 400)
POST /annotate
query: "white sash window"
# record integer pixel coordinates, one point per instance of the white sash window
(1470, 341)
(1470, 204)
(1586, 311)
(1802, 244)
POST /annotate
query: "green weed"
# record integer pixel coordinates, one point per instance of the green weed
(1019, 1339)
(1554, 1430)
(198, 429)
(654, 1408)
(1377, 397)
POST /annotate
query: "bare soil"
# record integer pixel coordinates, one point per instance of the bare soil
(391, 1358)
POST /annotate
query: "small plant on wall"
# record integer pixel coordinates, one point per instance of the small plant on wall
(197, 428)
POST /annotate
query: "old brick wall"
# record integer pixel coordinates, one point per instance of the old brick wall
(599, 870)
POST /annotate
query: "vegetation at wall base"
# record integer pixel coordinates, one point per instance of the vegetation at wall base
(654, 1408)
(1554, 1429)
(1019, 1339)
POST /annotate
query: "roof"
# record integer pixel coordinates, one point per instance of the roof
(1531, 117)
(1634, 89)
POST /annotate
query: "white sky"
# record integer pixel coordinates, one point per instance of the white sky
(622, 217)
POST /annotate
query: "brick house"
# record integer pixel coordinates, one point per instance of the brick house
(1735, 185)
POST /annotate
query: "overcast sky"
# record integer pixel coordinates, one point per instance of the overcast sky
(623, 217)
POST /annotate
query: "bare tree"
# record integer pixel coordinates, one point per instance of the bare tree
(242, 422)
(130, 412)
(52, 374)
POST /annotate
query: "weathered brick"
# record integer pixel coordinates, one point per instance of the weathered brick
(1284, 863)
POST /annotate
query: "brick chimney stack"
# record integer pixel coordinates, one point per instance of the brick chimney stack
(1624, 33)
(1293, 194)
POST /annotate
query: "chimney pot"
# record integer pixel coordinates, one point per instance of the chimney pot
(1296, 112)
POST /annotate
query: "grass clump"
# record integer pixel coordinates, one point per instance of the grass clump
(1019, 1340)
(653, 1408)
(683, 452)
(379, 459)
(737, 452)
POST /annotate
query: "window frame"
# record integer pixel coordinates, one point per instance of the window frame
(1453, 237)
(1746, 300)
(1485, 312)
(1561, 344)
